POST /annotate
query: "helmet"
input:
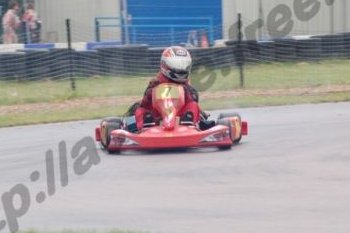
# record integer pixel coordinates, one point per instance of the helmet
(176, 63)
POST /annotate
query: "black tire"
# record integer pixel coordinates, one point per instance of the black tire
(227, 115)
(112, 119)
(107, 126)
(229, 125)
(237, 140)
(111, 127)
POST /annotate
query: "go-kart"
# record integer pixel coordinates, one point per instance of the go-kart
(117, 134)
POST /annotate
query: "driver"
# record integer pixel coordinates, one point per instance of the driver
(175, 67)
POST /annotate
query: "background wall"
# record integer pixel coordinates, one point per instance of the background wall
(330, 19)
(82, 13)
(325, 22)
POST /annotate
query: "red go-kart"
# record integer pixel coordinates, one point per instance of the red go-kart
(119, 134)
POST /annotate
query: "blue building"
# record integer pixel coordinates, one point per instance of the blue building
(165, 22)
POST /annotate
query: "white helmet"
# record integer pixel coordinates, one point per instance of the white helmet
(176, 63)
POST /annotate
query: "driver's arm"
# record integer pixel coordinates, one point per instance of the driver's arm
(193, 93)
(147, 96)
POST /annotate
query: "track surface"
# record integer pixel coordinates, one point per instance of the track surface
(291, 174)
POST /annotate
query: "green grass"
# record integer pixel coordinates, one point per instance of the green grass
(82, 113)
(283, 75)
(262, 77)
(258, 101)
(58, 91)
(86, 113)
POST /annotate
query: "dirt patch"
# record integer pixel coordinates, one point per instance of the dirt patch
(127, 100)
(319, 90)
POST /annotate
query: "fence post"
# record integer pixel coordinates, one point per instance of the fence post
(70, 53)
(332, 19)
(97, 30)
(126, 21)
(240, 53)
(28, 35)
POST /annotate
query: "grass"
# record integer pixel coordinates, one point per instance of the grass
(82, 113)
(57, 91)
(261, 77)
(85, 113)
(258, 101)
(283, 75)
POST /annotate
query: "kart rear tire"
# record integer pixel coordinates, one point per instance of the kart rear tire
(237, 140)
(228, 115)
(227, 123)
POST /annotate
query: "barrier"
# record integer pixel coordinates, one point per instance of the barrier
(285, 49)
(333, 46)
(267, 51)
(13, 65)
(79, 46)
(86, 63)
(123, 59)
(33, 62)
(37, 63)
(309, 49)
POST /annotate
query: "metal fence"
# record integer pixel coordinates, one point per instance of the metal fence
(142, 60)
(157, 31)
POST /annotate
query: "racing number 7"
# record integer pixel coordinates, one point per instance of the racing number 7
(167, 93)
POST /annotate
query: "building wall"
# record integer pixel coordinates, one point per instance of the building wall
(324, 22)
(182, 15)
(82, 14)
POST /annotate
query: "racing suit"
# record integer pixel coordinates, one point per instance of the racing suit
(191, 102)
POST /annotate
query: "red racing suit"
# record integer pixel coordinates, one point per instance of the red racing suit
(191, 101)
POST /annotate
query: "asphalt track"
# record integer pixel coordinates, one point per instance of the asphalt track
(291, 174)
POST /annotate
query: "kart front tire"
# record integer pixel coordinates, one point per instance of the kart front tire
(112, 120)
(111, 127)
(107, 126)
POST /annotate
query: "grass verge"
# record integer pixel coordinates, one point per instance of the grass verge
(86, 113)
